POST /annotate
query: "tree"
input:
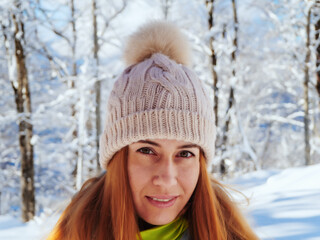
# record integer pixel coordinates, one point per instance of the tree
(306, 91)
(210, 8)
(15, 48)
(231, 98)
(97, 86)
(67, 67)
(317, 34)
(165, 5)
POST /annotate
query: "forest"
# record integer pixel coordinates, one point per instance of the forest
(260, 61)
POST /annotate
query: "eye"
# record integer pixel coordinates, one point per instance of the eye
(186, 154)
(145, 150)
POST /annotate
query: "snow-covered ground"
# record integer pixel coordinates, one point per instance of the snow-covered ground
(284, 204)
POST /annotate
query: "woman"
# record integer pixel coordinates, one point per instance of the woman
(157, 142)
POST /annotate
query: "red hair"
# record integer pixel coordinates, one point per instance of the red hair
(212, 214)
(104, 209)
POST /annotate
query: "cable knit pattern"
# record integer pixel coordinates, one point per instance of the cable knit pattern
(158, 99)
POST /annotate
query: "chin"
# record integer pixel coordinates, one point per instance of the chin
(160, 220)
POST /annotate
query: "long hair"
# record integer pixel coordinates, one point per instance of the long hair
(104, 209)
(212, 214)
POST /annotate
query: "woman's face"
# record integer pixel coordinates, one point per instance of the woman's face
(163, 175)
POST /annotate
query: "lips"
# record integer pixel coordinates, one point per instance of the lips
(162, 201)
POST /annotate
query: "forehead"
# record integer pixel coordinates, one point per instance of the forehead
(168, 143)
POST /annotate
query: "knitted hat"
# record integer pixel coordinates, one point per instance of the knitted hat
(157, 96)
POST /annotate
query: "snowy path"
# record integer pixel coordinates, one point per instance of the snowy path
(285, 205)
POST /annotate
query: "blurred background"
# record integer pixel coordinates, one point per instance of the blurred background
(260, 61)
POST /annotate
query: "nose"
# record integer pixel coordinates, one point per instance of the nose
(165, 172)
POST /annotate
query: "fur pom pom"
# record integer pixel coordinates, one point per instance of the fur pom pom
(157, 37)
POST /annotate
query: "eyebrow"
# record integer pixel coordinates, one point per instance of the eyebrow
(156, 144)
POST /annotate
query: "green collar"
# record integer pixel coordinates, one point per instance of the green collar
(170, 231)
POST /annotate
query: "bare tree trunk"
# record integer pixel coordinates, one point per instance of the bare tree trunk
(316, 15)
(213, 58)
(75, 134)
(231, 92)
(306, 93)
(166, 4)
(317, 86)
(97, 86)
(223, 167)
(266, 146)
(209, 4)
(74, 42)
(317, 28)
(23, 105)
(235, 40)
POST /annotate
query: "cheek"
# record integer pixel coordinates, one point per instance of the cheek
(190, 178)
(138, 178)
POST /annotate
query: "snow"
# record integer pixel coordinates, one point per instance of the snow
(284, 204)
(11, 228)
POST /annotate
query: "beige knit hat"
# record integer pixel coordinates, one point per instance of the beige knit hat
(157, 96)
